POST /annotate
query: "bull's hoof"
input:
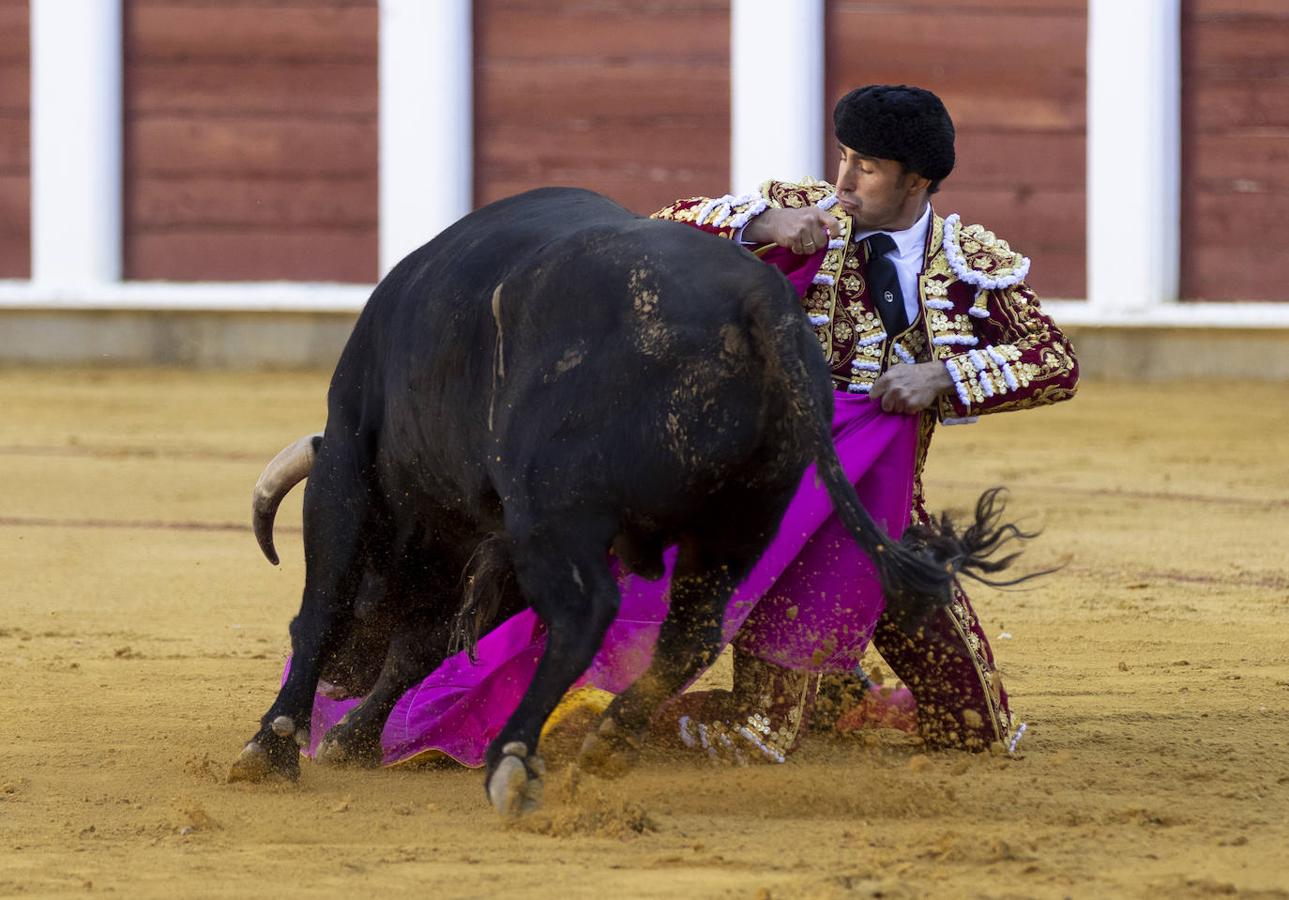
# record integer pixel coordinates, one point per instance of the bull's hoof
(515, 785)
(344, 748)
(267, 756)
(608, 751)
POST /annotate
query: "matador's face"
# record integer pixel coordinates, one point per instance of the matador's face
(878, 194)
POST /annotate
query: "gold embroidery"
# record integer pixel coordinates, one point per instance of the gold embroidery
(986, 253)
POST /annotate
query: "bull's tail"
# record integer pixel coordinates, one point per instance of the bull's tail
(291, 466)
(974, 550)
(917, 573)
(484, 581)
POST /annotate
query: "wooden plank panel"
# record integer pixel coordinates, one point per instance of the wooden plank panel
(647, 144)
(15, 87)
(15, 144)
(1251, 47)
(882, 38)
(15, 31)
(256, 203)
(15, 225)
(641, 193)
(977, 7)
(1209, 9)
(318, 31)
(250, 129)
(1213, 105)
(267, 5)
(493, 8)
(1019, 159)
(1235, 141)
(1246, 161)
(1226, 219)
(1050, 218)
(627, 98)
(569, 32)
(329, 89)
(15, 205)
(1043, 87)
(1235, 272)
(15, 140)
(243, 255)
(588, 91)
(242, 146)
(15, 257)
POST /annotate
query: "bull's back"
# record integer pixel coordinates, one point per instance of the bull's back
(632, 367)
(557, 332)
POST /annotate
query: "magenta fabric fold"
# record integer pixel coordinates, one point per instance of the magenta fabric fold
(811, 603)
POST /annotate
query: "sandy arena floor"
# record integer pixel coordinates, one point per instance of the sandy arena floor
(142, 635)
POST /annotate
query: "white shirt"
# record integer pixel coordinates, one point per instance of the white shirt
(908, 257)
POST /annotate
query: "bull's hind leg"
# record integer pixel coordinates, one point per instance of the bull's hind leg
(712, 562)
(564, 574)
(338, 521)
(418, 646)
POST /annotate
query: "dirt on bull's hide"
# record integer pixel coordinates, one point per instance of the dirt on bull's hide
(1153, 673)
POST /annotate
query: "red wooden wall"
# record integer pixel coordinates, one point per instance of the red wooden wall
(15, 141)
(627, 98)
(250, 125)
(250, 139)
(1235, 149)
(1013, 74)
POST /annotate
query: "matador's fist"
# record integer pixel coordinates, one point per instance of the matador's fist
(805, 231)
(910, 389)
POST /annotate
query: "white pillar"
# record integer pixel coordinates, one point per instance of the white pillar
(75, 142)
(426, 121)
(776, 91)
(1134, 153)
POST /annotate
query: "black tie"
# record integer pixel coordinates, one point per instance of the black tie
(884, 283)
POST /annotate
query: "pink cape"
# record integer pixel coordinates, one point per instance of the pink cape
(810, 603)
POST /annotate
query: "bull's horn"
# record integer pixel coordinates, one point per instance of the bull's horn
(283, 472)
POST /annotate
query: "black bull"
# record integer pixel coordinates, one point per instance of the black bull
(549, 378)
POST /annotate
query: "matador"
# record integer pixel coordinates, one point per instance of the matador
(933, 319)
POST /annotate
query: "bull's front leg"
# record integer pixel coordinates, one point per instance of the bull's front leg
(419, 645)
(563, 574)
(334, 535)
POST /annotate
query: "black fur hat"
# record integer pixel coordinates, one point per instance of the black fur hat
(908, 124)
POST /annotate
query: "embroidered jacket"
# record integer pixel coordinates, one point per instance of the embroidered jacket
(978, 316)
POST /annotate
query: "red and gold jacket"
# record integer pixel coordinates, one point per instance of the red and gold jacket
(978, 316)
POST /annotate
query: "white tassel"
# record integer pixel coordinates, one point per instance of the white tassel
(958, 262)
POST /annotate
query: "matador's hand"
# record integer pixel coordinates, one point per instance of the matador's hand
(804, 231)
(911, 389)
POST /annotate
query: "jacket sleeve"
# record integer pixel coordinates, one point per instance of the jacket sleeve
(722, 216)
(1020, 359)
